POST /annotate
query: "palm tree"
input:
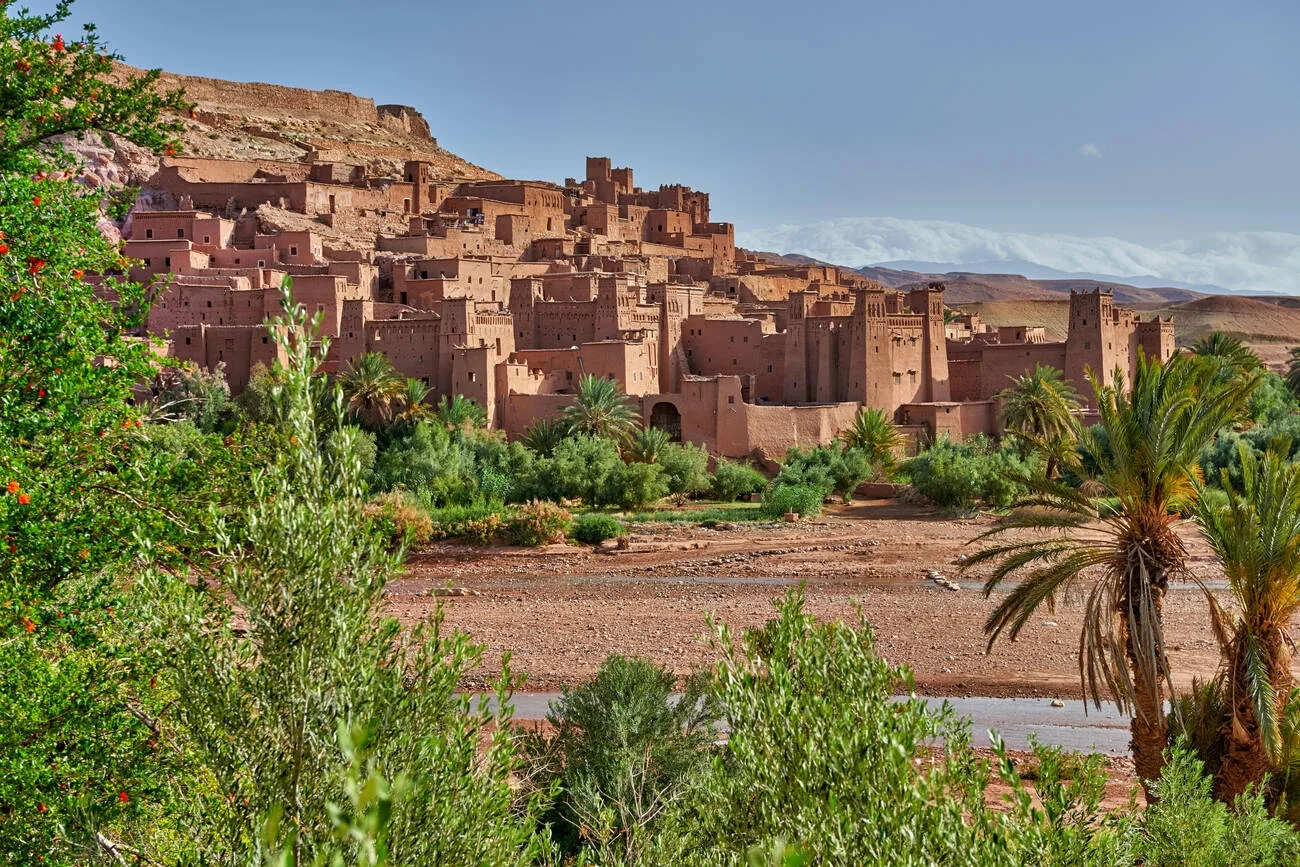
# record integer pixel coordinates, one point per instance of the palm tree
(601, 410)
(1256, 535)
(1039, 407)
(1119, 530)
(647, 444)
(544, 434)
(372, 388)
(1293, 371)
(461, 413)
(874, 434)
(414, 401)
(1228, 353)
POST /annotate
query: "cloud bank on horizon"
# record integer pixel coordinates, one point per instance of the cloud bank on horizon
(1240, 261)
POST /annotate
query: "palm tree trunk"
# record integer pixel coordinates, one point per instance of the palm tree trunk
(1149, 728)
(1245, 761)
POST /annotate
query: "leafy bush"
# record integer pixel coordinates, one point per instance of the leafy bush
(625, 746)
(832, 469)
(686, 468)
(803, 500)
(577, 469)
(398, 516)
(478, 524)
(732, 480)
(811, 700)
(1188, 828)
(632, 486)
(959, 475)
(537, 523)
(594, 528)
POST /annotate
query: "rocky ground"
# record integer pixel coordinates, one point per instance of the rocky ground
(559, 611)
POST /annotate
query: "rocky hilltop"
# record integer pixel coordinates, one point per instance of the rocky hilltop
(255, 121)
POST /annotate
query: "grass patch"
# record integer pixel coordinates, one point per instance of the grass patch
(717, 514)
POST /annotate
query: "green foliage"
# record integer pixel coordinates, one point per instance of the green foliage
(733, 480)
(819, 753)
(804, 500)
(578, 469)
(601, 409)
(460, 413)
(1227, 356)
(594, 528)
(833, 469)
(648, 444)
(537, 523)
(427, 460)
(194, 394)
(258, 709)
(1038, 410)
(625, 746)
(1223, 453)
(874, 435)
(1188, 828)
(633, 486)
(544, 434)
(960, 475)
(1273, 400)
(373, 389)
(686, 468)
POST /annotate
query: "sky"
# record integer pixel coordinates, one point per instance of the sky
(1126, 138)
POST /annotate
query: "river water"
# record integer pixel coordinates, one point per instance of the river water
(1015, 719)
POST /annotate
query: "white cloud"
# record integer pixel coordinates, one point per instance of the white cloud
(1090, 150)
(1243, 261)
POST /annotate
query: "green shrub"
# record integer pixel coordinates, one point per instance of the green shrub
(577, 469)
(537, 523)
(686, 468)
(632, 486)
(732, 480)
(832, 469)
(805, 501)
(960, 475)
(624, 747)
(478, 524)
(594, 528)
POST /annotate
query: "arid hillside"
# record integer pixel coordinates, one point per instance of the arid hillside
(251, 121)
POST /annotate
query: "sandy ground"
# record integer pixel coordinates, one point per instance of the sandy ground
(559, 611)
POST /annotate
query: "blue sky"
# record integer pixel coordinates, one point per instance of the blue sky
(1170, 127)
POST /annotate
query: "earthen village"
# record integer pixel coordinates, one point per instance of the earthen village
(509, 291)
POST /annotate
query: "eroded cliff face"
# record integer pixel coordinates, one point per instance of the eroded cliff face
(255, 121)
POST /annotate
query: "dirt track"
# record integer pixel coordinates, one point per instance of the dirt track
(560, 611)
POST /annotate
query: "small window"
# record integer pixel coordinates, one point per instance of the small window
(207, 239)
(187, 341)
(148, 233)
(209, 303)
(731, 398)
(1087, 344)
(167, 262)
(148, 263)
(293, 251)
(264, 339)
(261, 263)
(473, 377)
(180, 233)
(769, 368)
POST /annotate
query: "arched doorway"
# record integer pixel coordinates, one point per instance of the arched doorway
(666, 417)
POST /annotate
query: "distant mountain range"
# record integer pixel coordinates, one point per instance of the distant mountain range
(1034, 271)
(971, 284)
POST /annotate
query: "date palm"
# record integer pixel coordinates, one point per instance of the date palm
(602, 410)
(1256, 535)
(1293, 371)
(414, 401)
(647, 444)
(544, 434)
(874, 434)
(1039, 407)
(461, 413)
(1116, 536)
(1231, 356)
(372, 388)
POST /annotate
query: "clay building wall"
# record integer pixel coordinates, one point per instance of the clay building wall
(235, 348)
